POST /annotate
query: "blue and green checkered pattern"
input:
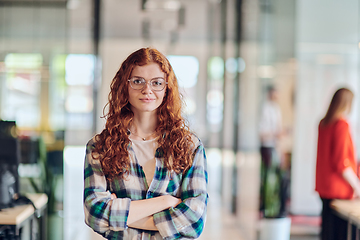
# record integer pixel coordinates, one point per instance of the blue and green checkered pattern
(109, 217)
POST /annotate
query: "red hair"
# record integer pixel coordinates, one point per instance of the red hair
(111, 145)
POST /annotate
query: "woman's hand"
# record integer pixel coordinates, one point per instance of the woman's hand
(350, 176)
(172, 201)
(141, 211)
(113, 196)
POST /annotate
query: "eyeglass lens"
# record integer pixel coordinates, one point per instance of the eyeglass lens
(156, 84)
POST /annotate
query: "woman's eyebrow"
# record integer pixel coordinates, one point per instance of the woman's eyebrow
(150, 79)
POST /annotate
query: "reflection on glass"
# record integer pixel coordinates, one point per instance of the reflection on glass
(186, 69)
(216, 68)
(57, 87)
(213, 156)
(214, 115)
(241, 65)
(78, 104)
(79, 69)
(23, 60)
(28, 116)
(190, 106)
(20, 89)
(266, 71)
(78, 121)
(27, 83)
(232, 65)
(215, 98)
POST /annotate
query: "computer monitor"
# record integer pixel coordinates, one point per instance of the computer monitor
(8, 129)
(9, 158)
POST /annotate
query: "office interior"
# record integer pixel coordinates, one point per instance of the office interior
(58, 57)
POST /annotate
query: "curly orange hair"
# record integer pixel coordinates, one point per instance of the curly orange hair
(111, 146)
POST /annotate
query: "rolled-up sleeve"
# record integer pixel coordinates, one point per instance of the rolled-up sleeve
(101, 213)
(187, 220)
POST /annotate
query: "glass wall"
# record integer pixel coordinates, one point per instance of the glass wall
(33, 43)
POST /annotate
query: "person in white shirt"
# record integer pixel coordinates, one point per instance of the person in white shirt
(270, 126)
(270, 130)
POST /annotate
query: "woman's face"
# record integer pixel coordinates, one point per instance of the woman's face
(146, 99)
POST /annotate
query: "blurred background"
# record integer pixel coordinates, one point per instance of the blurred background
(58, 57)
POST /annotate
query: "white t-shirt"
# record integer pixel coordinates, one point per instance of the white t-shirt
(270, 123)
(145, 155)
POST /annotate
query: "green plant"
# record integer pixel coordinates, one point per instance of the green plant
(274, 189)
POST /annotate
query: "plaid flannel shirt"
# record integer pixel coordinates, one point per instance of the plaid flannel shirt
(109, 217)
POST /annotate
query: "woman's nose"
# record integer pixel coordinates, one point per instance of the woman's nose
(147, 88)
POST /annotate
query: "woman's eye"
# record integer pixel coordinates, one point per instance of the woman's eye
(157, 83)
(137, 81)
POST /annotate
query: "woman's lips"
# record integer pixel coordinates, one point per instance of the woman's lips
(147, 99)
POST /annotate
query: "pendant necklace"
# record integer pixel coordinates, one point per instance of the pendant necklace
(143, 138)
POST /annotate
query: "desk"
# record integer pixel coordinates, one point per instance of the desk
(350, 211)
(15, 218)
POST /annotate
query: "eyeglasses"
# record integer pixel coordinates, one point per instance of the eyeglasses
(156, 84)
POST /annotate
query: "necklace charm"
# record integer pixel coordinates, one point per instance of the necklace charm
(142, 138)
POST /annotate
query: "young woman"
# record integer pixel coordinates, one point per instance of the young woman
(145, 173)
(336, 165)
